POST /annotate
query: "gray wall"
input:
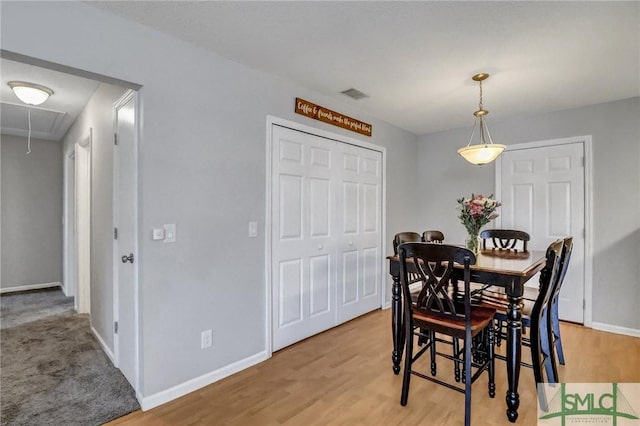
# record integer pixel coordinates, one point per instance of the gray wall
(98, 115)
(31, 212)
(615, 128)
(202, 166)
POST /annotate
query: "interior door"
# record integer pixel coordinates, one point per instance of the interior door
(543, 194)
(125, 247)
(303, 247)
(358, 211)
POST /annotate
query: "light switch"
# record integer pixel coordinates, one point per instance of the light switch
(253, 229)
(170, 233)
(158, 234)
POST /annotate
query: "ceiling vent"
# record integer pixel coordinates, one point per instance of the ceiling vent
(354, 93)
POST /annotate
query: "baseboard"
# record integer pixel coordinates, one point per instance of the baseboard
(105, 348)
(189, 386)
(615, 329)
(29, 287)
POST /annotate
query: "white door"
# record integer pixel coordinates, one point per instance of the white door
(326, 233)
(358, 211)
(543, 194)
(304, 261)
(125, 245)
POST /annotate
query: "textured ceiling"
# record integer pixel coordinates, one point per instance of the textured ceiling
(415, 59)
(52, 119)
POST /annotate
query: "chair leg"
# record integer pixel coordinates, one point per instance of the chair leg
(547, 350)
(536, 362)
(408, 355)
(467, 381)
(456, 354)
(555, 320)
(432, 338)
(492, 362)
(498, 327)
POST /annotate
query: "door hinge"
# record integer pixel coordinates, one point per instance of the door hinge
(584, 233)
(115, 139)
(584, 304)
(115, 233)
(115, 327)
(583, 161)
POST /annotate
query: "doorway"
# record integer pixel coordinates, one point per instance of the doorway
(545, 190)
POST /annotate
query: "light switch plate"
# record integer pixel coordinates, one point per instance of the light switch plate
(169, 233)
(253, 229)
(158, 234)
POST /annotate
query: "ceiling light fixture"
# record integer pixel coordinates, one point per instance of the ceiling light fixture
(483, 152)
(30, 93)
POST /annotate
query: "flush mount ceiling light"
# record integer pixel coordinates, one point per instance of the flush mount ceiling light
(30, 93)
(484, 152)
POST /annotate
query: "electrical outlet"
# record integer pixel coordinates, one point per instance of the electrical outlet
(205, 339)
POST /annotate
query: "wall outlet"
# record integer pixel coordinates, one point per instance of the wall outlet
(253, 229)
(206, 338)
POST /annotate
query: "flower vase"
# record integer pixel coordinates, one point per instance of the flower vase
(472, 242)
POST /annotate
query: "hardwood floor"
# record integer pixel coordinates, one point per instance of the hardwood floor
(344, 377)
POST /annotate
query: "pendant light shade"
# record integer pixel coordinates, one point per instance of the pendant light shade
(30, 93)
(485, 151)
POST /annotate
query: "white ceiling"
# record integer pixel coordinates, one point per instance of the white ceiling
(52, 119)
(415, 59)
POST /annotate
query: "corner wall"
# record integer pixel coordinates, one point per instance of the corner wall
(31, 213)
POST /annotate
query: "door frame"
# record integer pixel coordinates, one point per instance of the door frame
(271, 121)
(68, 229)
(81, 232)
(126, 97)
(586, 142)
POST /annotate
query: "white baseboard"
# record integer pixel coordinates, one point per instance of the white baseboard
(29, 287)
(105, 348)
(615, 329)
(189, 386)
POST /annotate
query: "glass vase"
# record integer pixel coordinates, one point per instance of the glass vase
(472, 242)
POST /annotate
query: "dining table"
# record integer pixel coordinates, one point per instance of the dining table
(508, 269)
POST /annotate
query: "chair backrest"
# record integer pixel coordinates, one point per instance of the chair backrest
(405, 237)
(432, 236)
(564, 265)
(548, 277)
(504, 239)
(434, 264)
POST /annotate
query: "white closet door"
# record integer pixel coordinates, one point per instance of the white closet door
(326, 233)
(358, 217)
(543, 194)
(303, 244)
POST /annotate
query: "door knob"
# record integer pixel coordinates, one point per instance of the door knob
(126, 258)
(319, 246)
(350, 243)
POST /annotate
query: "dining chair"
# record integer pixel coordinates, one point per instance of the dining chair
(555, 340)
(436, 310)
(405, 237)
(432, 236)
(536, 317)
(504, 239)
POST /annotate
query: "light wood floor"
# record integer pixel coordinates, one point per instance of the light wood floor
(344, 377)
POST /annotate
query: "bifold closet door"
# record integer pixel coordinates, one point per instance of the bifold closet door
(303, 247)
(325, 233)
(359, 211)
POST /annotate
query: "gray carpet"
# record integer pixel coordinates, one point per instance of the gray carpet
(52, 369)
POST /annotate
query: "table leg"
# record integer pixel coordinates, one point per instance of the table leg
(514, 355)
(397, 327)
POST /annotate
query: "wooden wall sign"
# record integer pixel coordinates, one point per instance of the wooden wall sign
(311, 110)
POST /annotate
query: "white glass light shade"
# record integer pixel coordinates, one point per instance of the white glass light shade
(30, 93)
(481, 154)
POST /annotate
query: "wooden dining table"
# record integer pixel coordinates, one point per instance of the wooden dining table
(507, 269)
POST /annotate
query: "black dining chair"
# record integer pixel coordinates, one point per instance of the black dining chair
(536, 317)
(432, 236)
(405, 237)
(504, 239)
(555, 338)
(436, 310)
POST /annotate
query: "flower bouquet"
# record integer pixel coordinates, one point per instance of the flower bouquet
(475, 212)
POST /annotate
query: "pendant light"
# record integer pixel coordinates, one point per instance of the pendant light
(484, 152)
